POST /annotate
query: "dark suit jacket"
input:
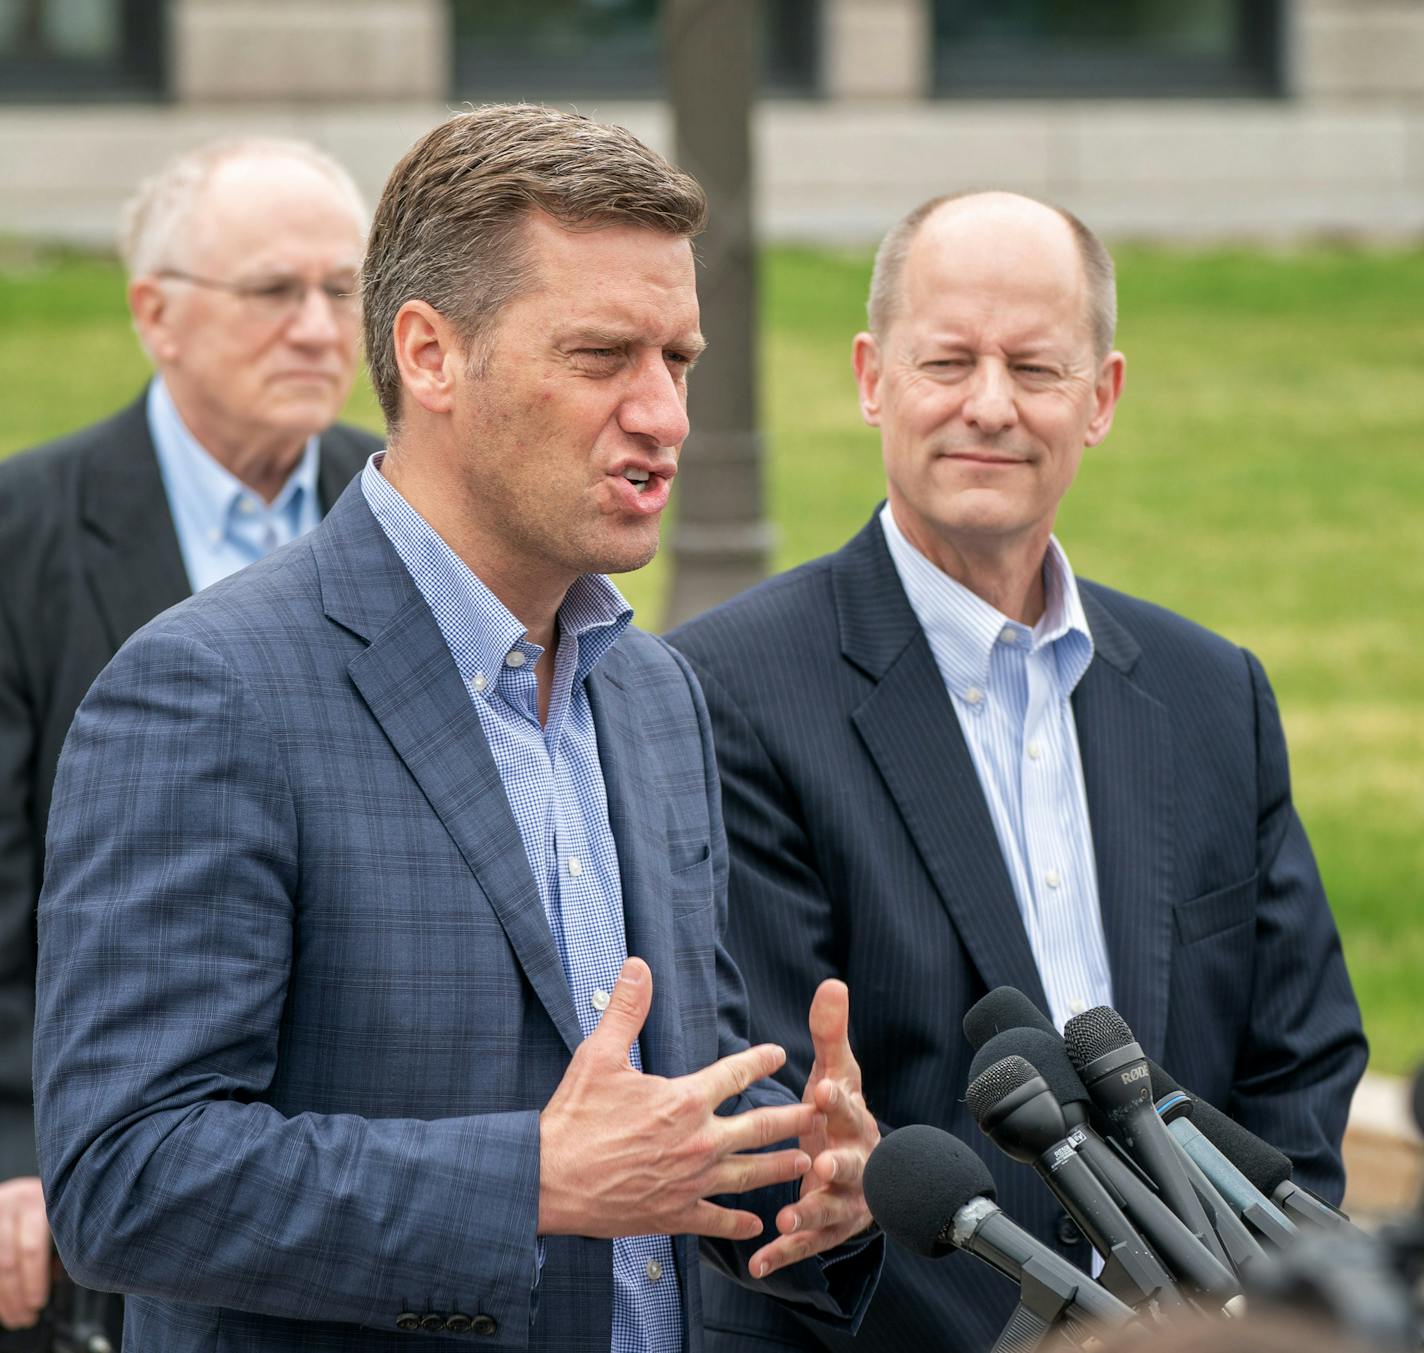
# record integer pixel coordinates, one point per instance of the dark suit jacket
(88, 553)
(299, 1004)
(862, 847)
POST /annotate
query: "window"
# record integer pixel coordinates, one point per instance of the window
(1108, 49)
(565, 50)
(80, 49)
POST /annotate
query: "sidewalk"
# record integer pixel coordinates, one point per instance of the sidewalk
(1384, 1153)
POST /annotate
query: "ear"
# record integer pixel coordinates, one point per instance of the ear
(152, 306)
(1106, 394)
(865, 359)
(429, 355)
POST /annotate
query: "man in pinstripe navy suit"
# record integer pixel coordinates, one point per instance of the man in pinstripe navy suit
(948, 764)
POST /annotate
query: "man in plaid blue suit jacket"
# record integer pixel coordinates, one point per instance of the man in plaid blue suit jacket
(339, 1039)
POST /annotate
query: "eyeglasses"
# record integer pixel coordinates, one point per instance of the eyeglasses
(280, 297)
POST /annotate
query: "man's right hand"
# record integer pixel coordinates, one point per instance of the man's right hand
(627, 1154)
(25, 1253)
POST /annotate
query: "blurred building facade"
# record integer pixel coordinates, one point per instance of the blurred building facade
(1256, 119)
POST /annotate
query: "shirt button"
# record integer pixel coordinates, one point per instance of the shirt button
(654, 1270)
(1035, 750)
(973, 695)
(246, 506)
(1052, 878)
(599, 999)
(1077, 1006)
(1009, 636)
(575, 867)
(479, 682)
(514, 658)
(214, 537)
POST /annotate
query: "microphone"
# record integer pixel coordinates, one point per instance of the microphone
(1114, 1071)
(1265, 1168)
(930, 1193)
(1003, 1008)
(1178, 1248)
(1249, 1203)
(1015, 1108)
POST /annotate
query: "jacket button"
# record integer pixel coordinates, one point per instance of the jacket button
(457, 1323)
(407, 1320)
(1068, 1232)
(483, 1324)
(432, 1322)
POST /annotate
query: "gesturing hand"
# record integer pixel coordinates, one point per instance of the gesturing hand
(25, 1253)
(832, 1205)
(626, 1154)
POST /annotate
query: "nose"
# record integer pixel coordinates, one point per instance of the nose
(989, 404)
(315, 322)
(654, 405)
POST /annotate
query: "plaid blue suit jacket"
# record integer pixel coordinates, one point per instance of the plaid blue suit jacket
(299, 1005)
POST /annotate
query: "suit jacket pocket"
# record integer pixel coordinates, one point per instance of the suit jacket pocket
(690, 881)
(1220, 910)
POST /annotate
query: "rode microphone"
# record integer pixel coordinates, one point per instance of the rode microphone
(1015, 1108)
(932, 1194)
(1114, 1070)
(1184, 1256)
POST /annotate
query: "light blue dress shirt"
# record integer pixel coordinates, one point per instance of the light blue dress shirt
(222, 524)
(554, 783)
(1010, 687)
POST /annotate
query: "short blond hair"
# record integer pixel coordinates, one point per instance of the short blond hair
(447, 226)
(883, 304)
(161, 211)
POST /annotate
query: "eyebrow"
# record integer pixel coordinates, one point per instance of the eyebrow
(692, 344)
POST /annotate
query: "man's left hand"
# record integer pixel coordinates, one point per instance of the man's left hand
(832, 1205)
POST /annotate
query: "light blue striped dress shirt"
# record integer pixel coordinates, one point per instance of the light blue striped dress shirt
(222, 524)
(1010, 688)
(554, 783)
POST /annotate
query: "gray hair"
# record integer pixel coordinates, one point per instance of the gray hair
(161, 211)
(883, 304)
(447, 229)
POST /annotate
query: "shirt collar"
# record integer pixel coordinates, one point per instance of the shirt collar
(963, 628)
(479, 629)
(210, 492)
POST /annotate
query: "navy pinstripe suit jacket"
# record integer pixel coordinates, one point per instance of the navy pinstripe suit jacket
(299, 1005)
(862, 847)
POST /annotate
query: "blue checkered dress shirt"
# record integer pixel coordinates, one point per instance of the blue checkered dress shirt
(1011, 689)
(554, 783)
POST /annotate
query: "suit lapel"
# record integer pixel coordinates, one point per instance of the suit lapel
(642, 856)
(409, 681)
(914, 739)
(1124, 740)
(128, 545)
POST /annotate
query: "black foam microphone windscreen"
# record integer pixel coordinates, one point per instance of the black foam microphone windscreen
(917, 1179)
(1003, 1008)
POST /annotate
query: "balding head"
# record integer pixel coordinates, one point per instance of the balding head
(1004, 222)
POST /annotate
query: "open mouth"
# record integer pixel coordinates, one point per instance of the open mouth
(639, 479)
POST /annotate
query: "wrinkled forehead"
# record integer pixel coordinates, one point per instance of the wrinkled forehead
(1014, 260)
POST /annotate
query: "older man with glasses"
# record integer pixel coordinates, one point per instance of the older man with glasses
(242, 259)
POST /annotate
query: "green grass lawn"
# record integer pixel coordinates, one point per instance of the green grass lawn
(1265, 476)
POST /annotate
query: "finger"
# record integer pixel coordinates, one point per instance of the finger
(627, 1011)
(846, 1115)
(738, 1174)
(761, 1127)
(840, 1167)
(707, 1219)
(729, 1076)
(33, 1244)
(830, 1031)
(790, 1249)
